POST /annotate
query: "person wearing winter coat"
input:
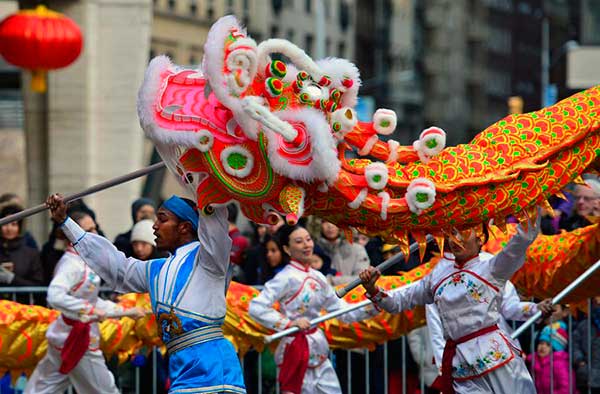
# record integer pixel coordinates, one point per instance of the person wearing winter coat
(588, 374)
(550, 363)
(19, 264)
(347, 259)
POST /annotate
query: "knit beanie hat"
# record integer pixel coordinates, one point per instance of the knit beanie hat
(556, 335)
(143, 231)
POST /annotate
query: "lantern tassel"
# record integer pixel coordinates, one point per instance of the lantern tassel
(38, 81)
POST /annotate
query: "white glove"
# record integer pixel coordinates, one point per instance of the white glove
(533, 227)
(6, 276)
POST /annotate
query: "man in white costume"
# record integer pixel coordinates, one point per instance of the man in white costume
(73, 355)
(187, 289)
(478, 356)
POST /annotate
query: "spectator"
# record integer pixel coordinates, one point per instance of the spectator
(14, 199)
(348, 259)
(588, 375)
(553, 339)
(586, 199)
(551, 220)
(361, 239)
(276, 259)
(142, 208)
(19, 264)
(143, 241)
(239, 243)
(316, 262)
(255, 258)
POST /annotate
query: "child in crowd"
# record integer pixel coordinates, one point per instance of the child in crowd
(143, 241)
(550, 358)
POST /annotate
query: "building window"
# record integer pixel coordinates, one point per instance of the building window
(308, 43)
(308, 6)
(193, 60)
(274, 31)
(172, 5)
(327, 46)
(277, 5)
(344, 16)
(498, 83)
(152, 54)
(342, 49)
(230, 7)
(290, 35)
(210, 11)
(193, 7)
(500, 40)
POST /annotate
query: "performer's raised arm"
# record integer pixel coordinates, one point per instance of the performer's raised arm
(512, 256)
(121, 273)
(398, 300)
(213, 232)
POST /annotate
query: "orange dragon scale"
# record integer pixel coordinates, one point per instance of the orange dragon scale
(283, 139)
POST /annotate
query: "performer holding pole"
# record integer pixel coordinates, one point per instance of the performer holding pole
(302, 293)
(73, 354)
(511, 308)
(187, 289)
(478, 356)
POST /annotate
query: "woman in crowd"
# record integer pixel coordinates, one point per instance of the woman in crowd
(20, 264)
(276, 258)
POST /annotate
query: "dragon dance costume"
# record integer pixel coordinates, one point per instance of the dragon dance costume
(74, 354)
(479, 356)
(302, 292)
(187, 291)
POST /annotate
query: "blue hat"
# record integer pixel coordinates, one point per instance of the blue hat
(555, 335)
(182, 210)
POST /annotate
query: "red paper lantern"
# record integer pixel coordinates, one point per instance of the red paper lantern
(39, 40)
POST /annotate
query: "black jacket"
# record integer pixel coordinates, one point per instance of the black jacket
(28, 267)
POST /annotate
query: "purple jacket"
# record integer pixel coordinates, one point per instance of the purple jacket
(561, 373)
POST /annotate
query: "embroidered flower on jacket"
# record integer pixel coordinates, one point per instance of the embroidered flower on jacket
(473, 289)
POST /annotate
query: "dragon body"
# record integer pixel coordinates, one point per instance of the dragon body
(283, 139)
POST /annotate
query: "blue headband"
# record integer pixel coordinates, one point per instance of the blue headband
(182, 210)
